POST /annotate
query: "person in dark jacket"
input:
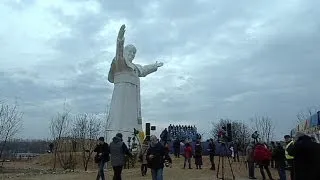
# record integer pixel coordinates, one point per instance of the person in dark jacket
(198, 154)
(212, 152)
(176, 148)
(118, 151)
(102, 156)
(306, 158)
(279, 158)
(272, 148)
(156, 156)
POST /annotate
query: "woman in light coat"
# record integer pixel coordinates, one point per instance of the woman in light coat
(143, 157)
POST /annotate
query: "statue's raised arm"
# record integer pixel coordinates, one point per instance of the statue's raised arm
(119, 59)
(120, 42)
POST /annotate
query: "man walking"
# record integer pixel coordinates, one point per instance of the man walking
(156, 156)
(102, 156)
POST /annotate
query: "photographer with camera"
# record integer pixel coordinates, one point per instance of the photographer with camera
(255, 136)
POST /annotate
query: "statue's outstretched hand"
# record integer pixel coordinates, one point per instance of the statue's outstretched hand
(121, 32)
(159, 64)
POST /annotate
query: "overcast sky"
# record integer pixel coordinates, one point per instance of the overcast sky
(222, 59)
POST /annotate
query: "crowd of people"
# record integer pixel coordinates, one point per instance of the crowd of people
(182, 132)
(153, 155)
(298, 155)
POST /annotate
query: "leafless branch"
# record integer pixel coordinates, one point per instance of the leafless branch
(265, 127)
(60, 131)
(240, 131)
(10, 123)
(87, 128)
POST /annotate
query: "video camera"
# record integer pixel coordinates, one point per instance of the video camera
(255, 136)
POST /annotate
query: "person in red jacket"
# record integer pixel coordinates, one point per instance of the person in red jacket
(262, 156)
(187, 155)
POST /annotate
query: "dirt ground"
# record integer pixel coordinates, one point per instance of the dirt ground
(28, 171)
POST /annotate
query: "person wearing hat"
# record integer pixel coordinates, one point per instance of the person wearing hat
(102, 156)
(118, 151)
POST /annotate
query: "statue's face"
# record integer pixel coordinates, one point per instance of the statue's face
(129, 52)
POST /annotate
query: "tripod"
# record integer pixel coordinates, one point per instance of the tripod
(221, 162)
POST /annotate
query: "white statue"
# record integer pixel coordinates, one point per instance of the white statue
(125, 108)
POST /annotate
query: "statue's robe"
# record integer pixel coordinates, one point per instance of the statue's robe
(125, 108)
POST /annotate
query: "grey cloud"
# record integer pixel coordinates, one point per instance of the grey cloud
(82, 33)
(234, 60)
(20, 5)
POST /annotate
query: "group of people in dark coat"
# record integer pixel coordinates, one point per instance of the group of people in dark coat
(300, 156)
(118, 150)
(305, 153)
(153, 155)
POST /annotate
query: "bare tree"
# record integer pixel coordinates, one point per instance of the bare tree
(240, 131)
(307, 113)
(59, 129)
(216, 127)
(86, 130)
(10, 123)
(265, 127)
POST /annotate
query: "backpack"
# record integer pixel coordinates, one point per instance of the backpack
(261, 153)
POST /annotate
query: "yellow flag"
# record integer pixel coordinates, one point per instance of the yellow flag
(141, 136)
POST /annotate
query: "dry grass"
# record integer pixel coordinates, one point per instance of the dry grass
(174, 173)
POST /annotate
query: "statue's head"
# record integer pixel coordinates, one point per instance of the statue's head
(129, 52)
